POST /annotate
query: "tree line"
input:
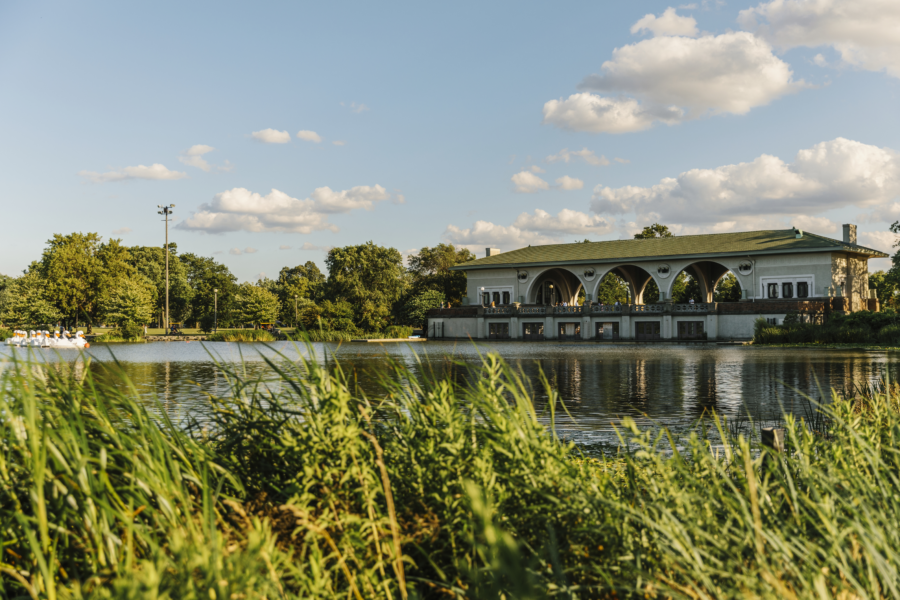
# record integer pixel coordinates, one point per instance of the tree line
(80, 280)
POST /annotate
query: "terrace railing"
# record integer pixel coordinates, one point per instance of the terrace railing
(567, 310)
(532, 310)
(606, 308)
(497, 310)
(691, 308)
(647, 308)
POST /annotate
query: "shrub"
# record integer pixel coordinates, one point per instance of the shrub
(242, 335)
(398, 332)
(207, 323)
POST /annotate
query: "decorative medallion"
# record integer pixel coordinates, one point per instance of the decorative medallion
(745, 267)
(589, 273)
(663, 270)
(522, 275)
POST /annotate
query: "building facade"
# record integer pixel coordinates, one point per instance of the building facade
(533, 293)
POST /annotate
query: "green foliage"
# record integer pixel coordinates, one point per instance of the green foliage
(204, 275)
(5, 333)
(242, 335)
(416, 308)
(305, 282)
(612, 288)
(128, 300)
(150, 261)
(25, 302)
(255, 304)
(398, 332)
(304, 489)
(654, 231)
(126, 332)
(207, 323)
(369, 278)
(863, 327)
(728, 289)
(430, 270)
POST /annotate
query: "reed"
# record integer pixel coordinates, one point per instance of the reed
(300, 486)
(242, 335)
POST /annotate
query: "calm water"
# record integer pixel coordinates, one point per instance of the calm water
(600, 384)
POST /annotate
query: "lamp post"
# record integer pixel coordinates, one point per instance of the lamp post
(216, 309)
(166, 210)
(295, 313)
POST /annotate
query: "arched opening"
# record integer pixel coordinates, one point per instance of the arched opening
(553, 287)
(727, 288)
(698, 281)
(626, 284)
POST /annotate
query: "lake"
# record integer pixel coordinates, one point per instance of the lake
(666, 385)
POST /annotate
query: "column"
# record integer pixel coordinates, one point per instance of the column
(514, 332)
(666, 332)
(586, 325)
(712, 326)
(549, 330)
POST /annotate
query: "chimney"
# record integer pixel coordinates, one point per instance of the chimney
(496, 251)
(849, 233)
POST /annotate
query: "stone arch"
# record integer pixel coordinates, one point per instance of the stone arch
(635, 276)
(707, 273)
(566, 285)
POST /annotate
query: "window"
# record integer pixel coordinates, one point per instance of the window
(787, 290)
(496, 297)
(773, 290)
(533, 331)
(498, 331)
(607, 331)
(690, 330)
(485, 298)
(802, 289)
(505, 297)
(646, 330)
(569, 331)
(772, 320)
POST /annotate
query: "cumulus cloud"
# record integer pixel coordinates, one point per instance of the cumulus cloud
(565, 155)
(864, 32)
(878, 240)
(673, 79)
(339, 143)
(623, 161)
(235, 251)
(527, 182)
(569, 183)
(249, 250)
(154, 171)
(536, 169)
(668, 23)
(309, 136)
(309, 246)
(284, 247)
(529, 229)
(272, 136)
(239, 209)
(829, 175)
(820, 225)
(121, 231)
(193, 156)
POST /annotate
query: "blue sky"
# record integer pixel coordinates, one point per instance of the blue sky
(482, 125)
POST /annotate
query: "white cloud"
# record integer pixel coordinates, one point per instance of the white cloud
(339, 143)
(691, 6)
(623, 161)
(528, 229)
(886, 213)
(866, 33)
(673, 79)
(219, 252)
(309, 246)
(249, 250)
(240, 209)
(820, 225)
(272, 136)
(309, 136)
(193, 156)
(121, 231)
(569, 183)
(284, 247)
(820, 61)
(878, 240)
(527, 182)
(235, 251)
(829, 175)
(667, 23)
(536, 169)
(565, 155)
(155, 171)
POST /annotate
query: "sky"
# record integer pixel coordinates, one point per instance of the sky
(280, 130)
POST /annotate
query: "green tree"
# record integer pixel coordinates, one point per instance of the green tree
(72, 272)
(369, 277)
(416, 310)
(728, 289)
(612, 288)
(25, 302)
(150, 261)
(204, 275)
(305, 282)
(430, 270)
(130, 300)
(255, 304)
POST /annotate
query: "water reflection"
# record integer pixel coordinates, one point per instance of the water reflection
(600, 384)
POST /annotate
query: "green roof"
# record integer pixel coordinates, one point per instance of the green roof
(772, 241)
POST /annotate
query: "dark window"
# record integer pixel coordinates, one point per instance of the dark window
(802, 289)
(646, 330)
(533, 331)
(607, 331)
(772, 320)
(486, 298)
(505, 297)
(787, 290)
(570, 331)
(497, 297)
(690, 330)
(498, 331)
(773, 290)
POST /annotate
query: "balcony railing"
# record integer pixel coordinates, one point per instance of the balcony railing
(647, 308)
(699, 307)
(497, 310)
(567, 310)
(532, 310)
(603, 308)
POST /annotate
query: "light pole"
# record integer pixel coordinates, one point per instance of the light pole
(166, 210)
(295, 313)
(216, 309)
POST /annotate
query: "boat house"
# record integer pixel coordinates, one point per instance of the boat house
(533, 293)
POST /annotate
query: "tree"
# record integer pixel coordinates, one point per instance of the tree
(329, 316)
(651, 292)
(25, 302)
(612, 289)
(416, 310)
(430, 270)
(150, 261)
(255, 304)
(305, 282)
(203, 276)
(128, 301)
(369, 278)
(72, 272)
(728, 289)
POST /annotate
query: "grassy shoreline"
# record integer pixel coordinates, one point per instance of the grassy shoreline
(306, 489)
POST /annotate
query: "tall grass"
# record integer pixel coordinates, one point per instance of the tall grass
(303, 487)
(857, 328)
(322, 335)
